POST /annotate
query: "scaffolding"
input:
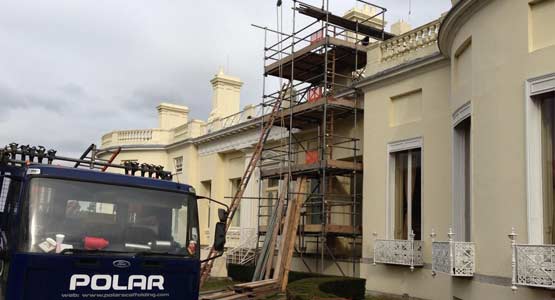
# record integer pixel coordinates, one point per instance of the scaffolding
(321, 62)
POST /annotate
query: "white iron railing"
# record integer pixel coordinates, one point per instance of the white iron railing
(246, 251)
(533, 265)
(398, 252)
(453, 258)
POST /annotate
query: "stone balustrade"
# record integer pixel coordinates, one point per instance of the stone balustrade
(191, 129)
(414, 44)
(135, 137)
(411, 41)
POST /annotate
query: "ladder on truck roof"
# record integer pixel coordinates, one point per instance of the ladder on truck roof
(21, 155)
(255, 158)
(93, 151)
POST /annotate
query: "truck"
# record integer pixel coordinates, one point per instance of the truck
(74, 232)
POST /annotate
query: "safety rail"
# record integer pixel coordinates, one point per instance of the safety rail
(398, 252)
(532, 265)
(317, 31)
(411, 41)
(313, 36)
(310, 150)
(451, 257)
(250, 112)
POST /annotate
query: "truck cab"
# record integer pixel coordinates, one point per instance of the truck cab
(78, 233)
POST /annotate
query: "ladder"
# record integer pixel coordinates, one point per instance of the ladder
(23, 155)
(257, 152)
(93, 151)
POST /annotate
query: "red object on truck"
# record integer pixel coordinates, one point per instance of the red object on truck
(95, 243)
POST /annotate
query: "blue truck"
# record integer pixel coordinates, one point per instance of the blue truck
(69, 232)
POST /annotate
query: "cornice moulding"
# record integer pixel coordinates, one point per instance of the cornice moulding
(453, 21)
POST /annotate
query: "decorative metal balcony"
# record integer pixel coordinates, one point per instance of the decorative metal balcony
(453, 258)
(398, 252)
(533, 265)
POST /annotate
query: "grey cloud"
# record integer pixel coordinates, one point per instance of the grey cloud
(73, 70)
(72, 89)
(12, 100)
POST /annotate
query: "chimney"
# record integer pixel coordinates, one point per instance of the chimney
(226, 95)
(362, 15)
(172, 115)
(400, 27)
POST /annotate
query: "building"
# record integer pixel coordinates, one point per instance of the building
(456, 134)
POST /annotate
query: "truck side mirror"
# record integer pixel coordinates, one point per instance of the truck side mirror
(219, 236)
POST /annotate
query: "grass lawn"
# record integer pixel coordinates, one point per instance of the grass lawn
(214, 284)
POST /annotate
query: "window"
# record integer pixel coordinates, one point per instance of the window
(4, 185)
(314, 203)
(91, 212)
(267, 204)
(548, 167)
(207, 191)
(122, 218)
(235, 186)
(540, 95)
(178, 163)
(405, 193)
(461, 180)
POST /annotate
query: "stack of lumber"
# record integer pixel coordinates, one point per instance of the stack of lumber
(265, 260)
(245, 291)
(260, 289)
(282, 262)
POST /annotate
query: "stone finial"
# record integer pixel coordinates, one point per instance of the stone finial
(433, 235)
(400, 27)
(450, 234)
(363, 15)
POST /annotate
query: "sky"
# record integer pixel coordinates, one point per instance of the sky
(72, 70)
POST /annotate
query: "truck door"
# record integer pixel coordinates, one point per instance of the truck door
(9, 192)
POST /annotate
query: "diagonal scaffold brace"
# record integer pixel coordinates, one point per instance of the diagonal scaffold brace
(255, 158)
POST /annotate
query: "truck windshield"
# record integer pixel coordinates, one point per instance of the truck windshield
(82, 215)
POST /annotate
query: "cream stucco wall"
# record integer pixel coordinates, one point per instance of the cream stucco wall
(488, 51)
(434, 128)
(501, 64)
(490, 58)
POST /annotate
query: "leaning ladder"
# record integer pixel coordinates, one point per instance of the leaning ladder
(257, 153)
